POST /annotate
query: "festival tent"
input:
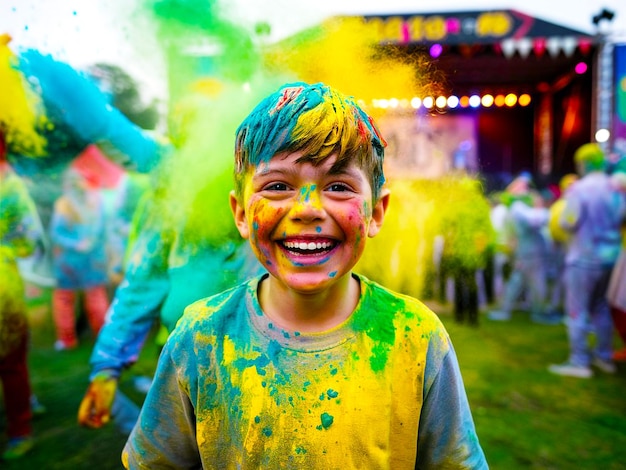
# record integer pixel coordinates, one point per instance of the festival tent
(506, 47)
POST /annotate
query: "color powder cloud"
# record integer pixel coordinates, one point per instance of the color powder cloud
(217, 70)
(21, 111)
(345, 53)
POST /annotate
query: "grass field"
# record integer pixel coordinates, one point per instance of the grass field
(525, 416)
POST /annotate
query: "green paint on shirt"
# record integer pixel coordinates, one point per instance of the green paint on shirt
(327, 420)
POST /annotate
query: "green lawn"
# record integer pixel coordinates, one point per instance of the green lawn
(525, 416)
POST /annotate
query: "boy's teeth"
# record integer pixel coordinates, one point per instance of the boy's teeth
(308, 246)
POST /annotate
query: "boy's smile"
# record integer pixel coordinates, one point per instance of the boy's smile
(307, 224)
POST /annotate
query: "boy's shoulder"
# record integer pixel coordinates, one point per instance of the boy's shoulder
(403, 307)
(213, 314)
(208, 309)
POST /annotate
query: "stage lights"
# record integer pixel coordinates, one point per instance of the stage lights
(442, 102)
(435, 50)
(452, 101)
(487, 100)
(510, 100)
(580, 68)
(602, 135)
(474, 101)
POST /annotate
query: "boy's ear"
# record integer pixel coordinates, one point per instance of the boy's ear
(378, 213)
(240, 216)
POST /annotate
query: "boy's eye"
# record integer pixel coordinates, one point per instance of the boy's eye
(339, 187)
(276, 187)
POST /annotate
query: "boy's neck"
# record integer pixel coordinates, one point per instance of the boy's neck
(309, 312)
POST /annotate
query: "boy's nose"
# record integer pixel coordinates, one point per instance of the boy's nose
(308, 205)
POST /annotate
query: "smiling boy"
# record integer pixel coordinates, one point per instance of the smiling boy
(308, 366)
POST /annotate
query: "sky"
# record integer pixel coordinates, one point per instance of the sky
(82, 32)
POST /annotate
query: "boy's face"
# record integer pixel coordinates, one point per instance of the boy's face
(306, 225)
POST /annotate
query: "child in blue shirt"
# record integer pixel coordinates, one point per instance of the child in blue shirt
(308, 365)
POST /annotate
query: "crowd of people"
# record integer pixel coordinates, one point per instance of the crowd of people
(54, 210)
(564, 251)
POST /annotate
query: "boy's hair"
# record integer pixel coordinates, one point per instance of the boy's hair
(314, 119)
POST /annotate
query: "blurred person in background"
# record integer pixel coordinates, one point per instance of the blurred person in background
(168, 268)
(19, 234)
(558, 246)
(183, 246)
(616, 295)
(594, 213)
(467, 234)
(526, 220)
(79, 258)
(127, 196)
(500, 253)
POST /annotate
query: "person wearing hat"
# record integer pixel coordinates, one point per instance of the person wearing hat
(593, 214)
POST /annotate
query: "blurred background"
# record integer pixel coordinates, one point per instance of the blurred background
(560, 55)
(481, 106)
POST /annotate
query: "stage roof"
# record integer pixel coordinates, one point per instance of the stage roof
(496, 49)
(467, 27)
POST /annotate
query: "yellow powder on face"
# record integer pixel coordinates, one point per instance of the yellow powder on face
(19, 117)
